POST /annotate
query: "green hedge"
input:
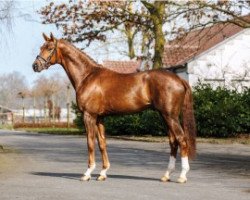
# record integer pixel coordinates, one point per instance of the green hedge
(219, 113)
(148, 122)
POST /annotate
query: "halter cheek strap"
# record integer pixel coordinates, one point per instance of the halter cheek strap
(47, 61)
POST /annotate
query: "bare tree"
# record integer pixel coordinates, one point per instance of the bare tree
(46, 88)
(23, 95)
(55, 88)
(6, 9)
(6, 19)
(11, 85)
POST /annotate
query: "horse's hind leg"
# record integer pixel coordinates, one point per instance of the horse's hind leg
(176, 129)
(171, 165)
(103, 149)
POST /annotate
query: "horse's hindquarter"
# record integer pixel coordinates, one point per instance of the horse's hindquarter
(167, 91)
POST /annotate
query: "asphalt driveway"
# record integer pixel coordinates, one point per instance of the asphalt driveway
(49, 167)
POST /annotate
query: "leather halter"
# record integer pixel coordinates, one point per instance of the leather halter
(47, 61)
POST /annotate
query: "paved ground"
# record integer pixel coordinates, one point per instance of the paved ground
(49, 167)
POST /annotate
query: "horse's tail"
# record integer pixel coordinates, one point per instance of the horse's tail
(188, 121)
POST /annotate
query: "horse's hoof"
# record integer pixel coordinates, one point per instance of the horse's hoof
(165, 179)
(182, 180)
(85, 178)
(101, 178)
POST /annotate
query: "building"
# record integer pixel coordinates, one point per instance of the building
(6, 115)
(124, 67)
(218, 55)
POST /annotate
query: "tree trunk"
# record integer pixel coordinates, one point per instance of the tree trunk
(157, 18)
(45, 109)
(53, 109)
(23, 110)
(157, 11)
(145, 43)
(34, 109)
(130, 35)
(68, 107)
(131, 50)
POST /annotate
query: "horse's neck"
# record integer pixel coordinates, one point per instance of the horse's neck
(76, 64)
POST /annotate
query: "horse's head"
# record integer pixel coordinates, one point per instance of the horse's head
(48, 54)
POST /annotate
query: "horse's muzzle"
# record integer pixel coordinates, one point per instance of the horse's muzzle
(35, 67)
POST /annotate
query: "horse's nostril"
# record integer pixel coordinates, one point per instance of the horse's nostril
(35, 66)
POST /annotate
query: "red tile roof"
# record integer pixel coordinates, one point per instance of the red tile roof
(180, 51)
(124, 67)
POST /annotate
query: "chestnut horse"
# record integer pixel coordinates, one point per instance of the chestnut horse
(100, 92)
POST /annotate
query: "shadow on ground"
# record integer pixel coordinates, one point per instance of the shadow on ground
(77, 176)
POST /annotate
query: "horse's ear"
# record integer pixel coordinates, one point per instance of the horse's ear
(52, 38)
(46, 38)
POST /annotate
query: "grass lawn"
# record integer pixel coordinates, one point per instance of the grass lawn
(57, 131)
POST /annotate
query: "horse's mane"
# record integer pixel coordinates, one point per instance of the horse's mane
(85, 57)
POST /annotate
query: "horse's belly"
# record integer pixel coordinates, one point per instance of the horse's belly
(126, 105)
(127, 98)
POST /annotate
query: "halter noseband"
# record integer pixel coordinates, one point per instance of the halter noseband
(47, 61)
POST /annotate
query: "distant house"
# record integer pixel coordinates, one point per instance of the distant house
(6, 115)
(124, 67)
(218, 55)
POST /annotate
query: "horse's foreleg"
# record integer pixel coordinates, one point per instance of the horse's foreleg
(103, 150)
(90, 125)
(172, 159)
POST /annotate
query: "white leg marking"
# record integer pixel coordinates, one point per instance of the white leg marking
(90, 170)
(103, 173)
(171, 166)
(185, 169)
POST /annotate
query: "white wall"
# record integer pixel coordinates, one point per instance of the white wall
(224, 64)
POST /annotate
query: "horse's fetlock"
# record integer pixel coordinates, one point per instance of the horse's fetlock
(107, 166)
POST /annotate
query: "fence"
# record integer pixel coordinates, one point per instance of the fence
(42, 116)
